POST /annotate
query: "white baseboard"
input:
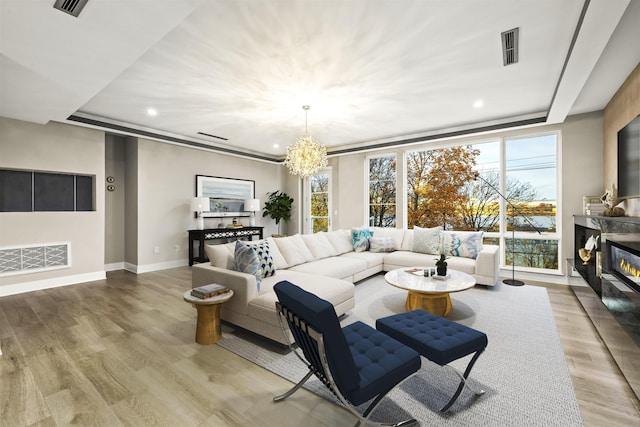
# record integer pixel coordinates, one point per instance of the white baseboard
(20, 288)
(139, 269)
(115, 266)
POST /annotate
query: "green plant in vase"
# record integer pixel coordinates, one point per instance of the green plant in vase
(278, 206)
(441, 265)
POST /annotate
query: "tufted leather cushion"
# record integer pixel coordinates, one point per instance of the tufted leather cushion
(381, 361)
(436, 338)
(363, 362)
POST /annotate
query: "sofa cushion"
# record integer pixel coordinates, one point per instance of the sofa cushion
(360, 238)
(340, 240)
(221, 255)
(373, 259)
(427, 240)
(246, 260)
(467, 244)
(294, 250)
(319, 245)
(336, 291)
(399, 259)
(381, 244)
(338, 267)
(407, 240)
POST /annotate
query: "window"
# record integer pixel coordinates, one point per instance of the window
(506, 188)
(320, 202)
(382, 191)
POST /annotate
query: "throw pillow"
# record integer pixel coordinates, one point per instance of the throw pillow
(263, 250)
(360, 239)
(341, 241)
(381, 244)
(427, 240)
(246, 260)
(467, 244)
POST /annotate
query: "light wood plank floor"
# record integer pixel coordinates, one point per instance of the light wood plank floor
(122, 352)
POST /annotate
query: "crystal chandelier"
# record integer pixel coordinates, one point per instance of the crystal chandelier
(307, 155)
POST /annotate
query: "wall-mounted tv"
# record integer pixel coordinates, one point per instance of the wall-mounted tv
(629, 160)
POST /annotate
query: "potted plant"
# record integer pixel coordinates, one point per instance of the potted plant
(441, 265)
(278, 206)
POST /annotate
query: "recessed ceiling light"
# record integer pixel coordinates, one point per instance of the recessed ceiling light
(275, 146)
(479, 103)
(152, 112)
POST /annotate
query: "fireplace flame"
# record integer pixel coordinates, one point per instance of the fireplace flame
(627, 267)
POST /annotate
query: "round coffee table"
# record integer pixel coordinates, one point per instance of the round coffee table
(208, 327)
(428, 293)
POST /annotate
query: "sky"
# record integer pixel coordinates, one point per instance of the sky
(530, 159)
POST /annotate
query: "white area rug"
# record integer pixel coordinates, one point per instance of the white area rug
(523, 369)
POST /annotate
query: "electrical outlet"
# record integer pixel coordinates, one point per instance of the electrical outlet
(156, 249)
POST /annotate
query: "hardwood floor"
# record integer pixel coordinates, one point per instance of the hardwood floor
(122, 352)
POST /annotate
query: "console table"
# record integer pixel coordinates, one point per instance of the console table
(217, 233)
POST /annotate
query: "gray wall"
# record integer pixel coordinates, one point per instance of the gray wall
(56, 148)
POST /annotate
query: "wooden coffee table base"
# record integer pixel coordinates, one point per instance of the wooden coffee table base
(439, 305)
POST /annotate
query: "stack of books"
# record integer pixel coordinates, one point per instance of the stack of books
(594, 208)
(208, 291)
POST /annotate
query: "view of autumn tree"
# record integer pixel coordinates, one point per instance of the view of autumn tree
(320, 202)
(481, 208)
(436, 180)
(382, 191)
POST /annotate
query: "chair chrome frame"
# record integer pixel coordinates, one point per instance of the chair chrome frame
(324, 375)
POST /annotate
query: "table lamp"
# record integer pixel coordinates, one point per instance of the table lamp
(253, 206)
(199, 205)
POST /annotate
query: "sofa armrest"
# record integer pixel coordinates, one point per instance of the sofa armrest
(243, 285)
(488, 261)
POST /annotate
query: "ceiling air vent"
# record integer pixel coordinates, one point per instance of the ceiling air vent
(213, 136)
(72, 7)
(510, 46)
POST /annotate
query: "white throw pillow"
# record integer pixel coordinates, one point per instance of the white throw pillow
(319, 246)
(294, 250)
(220, 256)
(427, 240)
(394, 233)
(381, 244)
(341, 241)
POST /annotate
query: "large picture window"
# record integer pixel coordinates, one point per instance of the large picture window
(382, 191)
(461, 188)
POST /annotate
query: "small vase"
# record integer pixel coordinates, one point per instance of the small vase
(442, 271)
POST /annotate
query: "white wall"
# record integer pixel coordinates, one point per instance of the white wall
(57, 148)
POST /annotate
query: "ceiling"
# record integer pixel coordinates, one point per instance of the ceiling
(374, 72)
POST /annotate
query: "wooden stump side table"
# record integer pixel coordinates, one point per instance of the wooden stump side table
(208, 326)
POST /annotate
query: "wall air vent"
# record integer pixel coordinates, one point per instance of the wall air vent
(510, 46)
(213, 136)
(33, 258)
(72, 7)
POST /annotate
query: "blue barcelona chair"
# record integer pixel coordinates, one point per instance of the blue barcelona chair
(356, 363)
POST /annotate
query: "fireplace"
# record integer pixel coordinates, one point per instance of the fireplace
(624, 262)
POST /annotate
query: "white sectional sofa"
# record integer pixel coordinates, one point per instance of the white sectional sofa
(324, 264)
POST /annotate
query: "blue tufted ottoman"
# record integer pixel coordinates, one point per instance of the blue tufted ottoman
(438, 339)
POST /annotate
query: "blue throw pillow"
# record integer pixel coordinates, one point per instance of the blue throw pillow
(360, 239)
(467, 244)
(246, 260)
(267, 265)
